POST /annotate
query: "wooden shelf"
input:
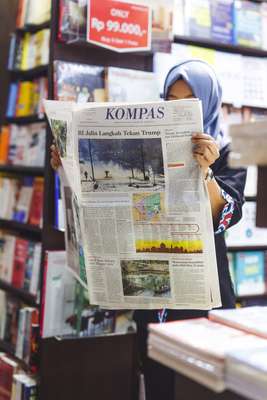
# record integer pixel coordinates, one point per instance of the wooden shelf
(32, 28)
(252, 297)
(22, 170)
(25, 120)
(29, 74)
(208, 43)
(246, 248)
(26, 229)
(9, 350)
(21, 294)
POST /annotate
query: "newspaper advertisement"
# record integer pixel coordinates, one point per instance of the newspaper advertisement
(144, 213)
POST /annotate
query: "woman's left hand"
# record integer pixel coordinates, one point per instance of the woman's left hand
(205, 150)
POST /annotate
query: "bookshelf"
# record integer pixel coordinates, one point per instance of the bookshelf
(26, 297)
(29, 74)
(22, 170)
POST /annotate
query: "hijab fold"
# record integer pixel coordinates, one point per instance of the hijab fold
(205, 86)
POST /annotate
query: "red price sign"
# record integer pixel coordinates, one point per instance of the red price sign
(118, 25)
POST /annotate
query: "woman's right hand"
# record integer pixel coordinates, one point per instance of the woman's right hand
(55, 158)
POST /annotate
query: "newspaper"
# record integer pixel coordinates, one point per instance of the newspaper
(141, 203)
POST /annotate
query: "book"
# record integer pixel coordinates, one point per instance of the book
(36, 207)
(198, 18)
(127, 85)
(12, 98)
(250, 273)
(264, 24)
(8, 368)
(21, 212)
(8, 257)
(20, 257)
(222, 18)
(30, 12)
(4, 144)
(245, 233)
(72, 20)
(247, 23)
(79, 82)
(25, 98)
(247, 319)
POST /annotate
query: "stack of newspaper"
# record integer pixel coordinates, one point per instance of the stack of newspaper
(197, 348)
(139, 228)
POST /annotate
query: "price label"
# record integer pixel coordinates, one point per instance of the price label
(119, 26)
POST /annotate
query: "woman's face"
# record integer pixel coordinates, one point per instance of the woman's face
(180, 90)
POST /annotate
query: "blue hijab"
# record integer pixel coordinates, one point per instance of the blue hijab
(205, 86)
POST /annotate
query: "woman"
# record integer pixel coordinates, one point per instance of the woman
(189, 79)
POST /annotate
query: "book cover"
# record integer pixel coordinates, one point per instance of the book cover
(35, 153)
(11, 320)
(247, 23)
(222, 18)
(4, 144)
(12, 98)
(23, 203)
(20, 258)
(245, 233)
(198, 18)
(72, 20)
(12, 149)
(7, 368)
(249, 273)
(8, 257)
(127, 85)
(36, 267)
(25, 99)
(36, 207)
(38, 12)
(79, 82)
(29, 266)
(26, 43)
(12, 51)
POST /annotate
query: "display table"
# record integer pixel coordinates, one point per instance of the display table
(187, 389)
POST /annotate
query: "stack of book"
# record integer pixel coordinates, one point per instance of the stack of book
(25, 98)
(29, 51)
(20, 262)
(197, 348)
(22, 199)
(31, 12)
(23, 145)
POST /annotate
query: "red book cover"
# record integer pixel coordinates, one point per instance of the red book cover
(20, 258)
(6, 377)
(36, 208)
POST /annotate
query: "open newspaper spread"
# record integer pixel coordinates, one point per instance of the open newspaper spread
(138, 217)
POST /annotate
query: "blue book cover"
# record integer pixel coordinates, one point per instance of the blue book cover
(198, 18)
(12, 99)
(222, 21)
(249, 273)
(247, 24)
(21, 211)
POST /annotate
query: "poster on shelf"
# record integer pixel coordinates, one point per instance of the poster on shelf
(119, 25)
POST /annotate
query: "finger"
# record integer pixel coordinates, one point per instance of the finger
(199, 135)
(212, 148)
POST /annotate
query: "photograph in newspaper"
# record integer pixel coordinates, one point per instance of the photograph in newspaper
(59, 129)
(121, 165)
(146, 278)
